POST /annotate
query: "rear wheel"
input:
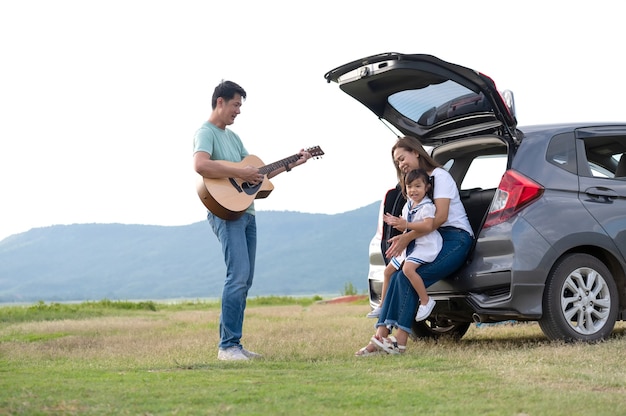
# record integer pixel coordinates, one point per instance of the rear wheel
(439, 328)
(580, 301)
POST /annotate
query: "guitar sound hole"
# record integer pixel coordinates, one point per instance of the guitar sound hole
(250, 189)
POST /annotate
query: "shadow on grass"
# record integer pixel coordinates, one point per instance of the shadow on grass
(513, 335)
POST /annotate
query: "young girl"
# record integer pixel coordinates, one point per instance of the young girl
(418, 191)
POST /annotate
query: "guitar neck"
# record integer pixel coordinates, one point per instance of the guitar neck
(278, 164)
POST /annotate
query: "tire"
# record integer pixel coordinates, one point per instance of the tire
(431, 329)
(580, 301)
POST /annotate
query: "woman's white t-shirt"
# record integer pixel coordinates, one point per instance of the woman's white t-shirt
(445, 187)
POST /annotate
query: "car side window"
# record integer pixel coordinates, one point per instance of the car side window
(606, 157)
(620, 169)
(616, 167)
(562, 152)
(598, 171)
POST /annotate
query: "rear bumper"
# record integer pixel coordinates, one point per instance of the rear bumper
(521, 302)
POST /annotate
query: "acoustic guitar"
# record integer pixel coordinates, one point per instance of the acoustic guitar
(229, 198)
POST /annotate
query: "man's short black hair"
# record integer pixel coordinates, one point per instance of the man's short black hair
(227, 90)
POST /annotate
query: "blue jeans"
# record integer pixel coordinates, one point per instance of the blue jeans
(238, 239)
(401, 301)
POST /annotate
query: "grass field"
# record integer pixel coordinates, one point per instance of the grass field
(110, 358)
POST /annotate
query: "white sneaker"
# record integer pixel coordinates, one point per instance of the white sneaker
(424, 311)
(375, 313)
(233, 353)
(250, 354)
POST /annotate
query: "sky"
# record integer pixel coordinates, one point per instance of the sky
(99, 100)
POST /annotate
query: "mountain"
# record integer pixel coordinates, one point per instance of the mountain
(297, 254)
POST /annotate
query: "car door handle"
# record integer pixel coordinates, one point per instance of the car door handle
(601, 194)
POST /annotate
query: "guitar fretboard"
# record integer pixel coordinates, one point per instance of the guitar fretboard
(273, 166)
(315, 152)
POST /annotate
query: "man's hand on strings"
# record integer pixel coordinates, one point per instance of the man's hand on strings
(252, 175)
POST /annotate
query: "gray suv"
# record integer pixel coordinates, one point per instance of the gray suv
(547, 203)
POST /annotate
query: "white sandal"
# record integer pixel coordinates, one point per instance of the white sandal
(389, 345)
(364, 352)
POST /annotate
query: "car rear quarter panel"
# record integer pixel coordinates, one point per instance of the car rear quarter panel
(506, 254)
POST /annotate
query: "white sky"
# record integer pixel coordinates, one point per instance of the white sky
(99, 100)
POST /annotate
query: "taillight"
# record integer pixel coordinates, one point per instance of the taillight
(514, 193)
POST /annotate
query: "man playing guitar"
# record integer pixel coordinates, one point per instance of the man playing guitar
(216, 147)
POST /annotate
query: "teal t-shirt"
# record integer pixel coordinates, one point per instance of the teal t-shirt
(221, 145)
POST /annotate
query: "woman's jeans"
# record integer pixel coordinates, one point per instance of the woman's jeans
(238, 239)
(401, 301)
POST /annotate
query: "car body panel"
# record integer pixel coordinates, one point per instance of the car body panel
(603, 201)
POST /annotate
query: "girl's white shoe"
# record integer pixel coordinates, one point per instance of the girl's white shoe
(375, 313)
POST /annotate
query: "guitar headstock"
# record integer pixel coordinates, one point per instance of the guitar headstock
(315, 152)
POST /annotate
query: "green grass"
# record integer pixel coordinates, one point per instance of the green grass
(112, 360)
(42, 311)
